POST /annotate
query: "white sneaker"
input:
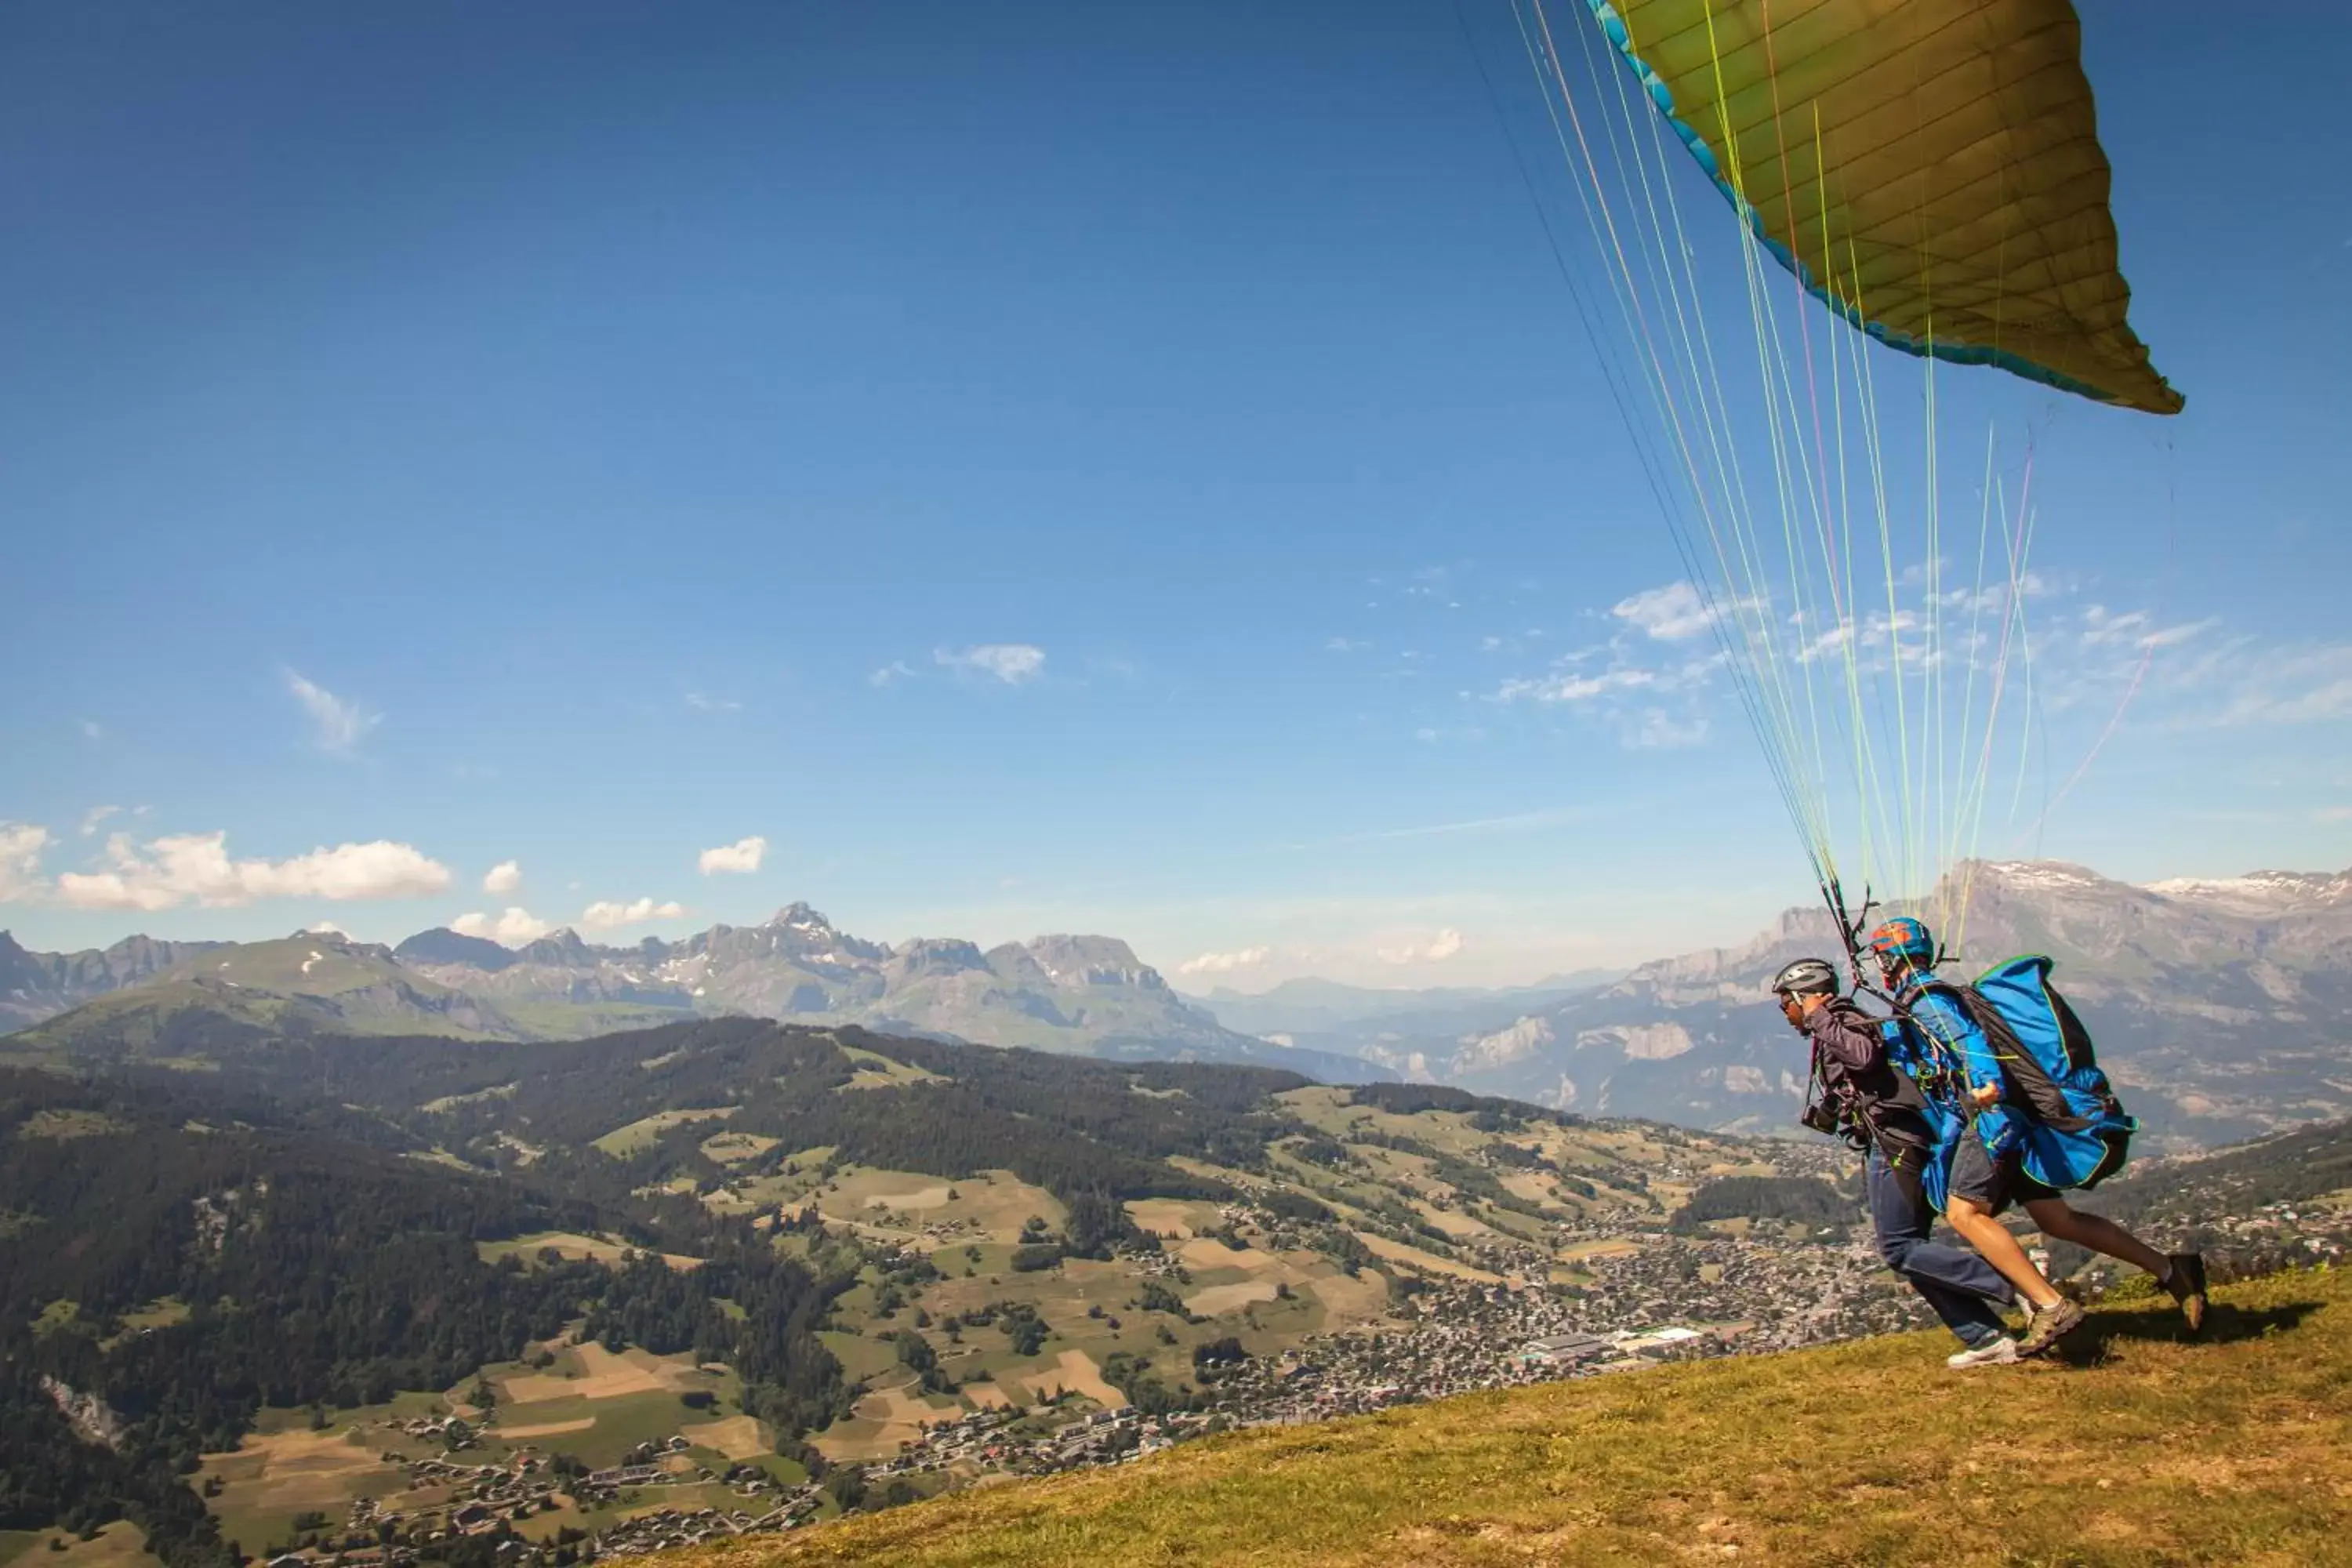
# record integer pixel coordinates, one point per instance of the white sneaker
(2001, 1351)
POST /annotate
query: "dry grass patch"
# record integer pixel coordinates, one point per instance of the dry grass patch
(1073, 1372)
(733, 1148)
(271, 1478)
(736, 1437)
(601, 1374)
(543, 1429)
(1428, 1262)
(1182, 1217)
(1361, 1299)
(1219, 1299)
(1204, 1254)
(2141, 1447)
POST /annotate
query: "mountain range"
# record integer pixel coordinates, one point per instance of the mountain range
(2222, 1007)
(1087, 995)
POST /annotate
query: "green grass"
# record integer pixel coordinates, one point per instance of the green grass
(69, 1124)
(2138, 1447)
(876, 1071)
(118, 1545)
(640, 1135)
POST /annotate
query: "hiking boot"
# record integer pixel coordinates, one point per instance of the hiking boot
(2051, 1324)
(2186, 1286)
(2001, 1351)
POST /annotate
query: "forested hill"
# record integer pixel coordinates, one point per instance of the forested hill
(183, 1258)
(196, 1233)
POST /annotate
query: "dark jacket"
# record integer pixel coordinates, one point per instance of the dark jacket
(1850, 1058)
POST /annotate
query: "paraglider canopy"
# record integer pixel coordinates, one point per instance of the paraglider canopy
(1929, 169)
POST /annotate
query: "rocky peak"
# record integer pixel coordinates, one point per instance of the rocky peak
(560, 948)
(442, 945)
(933, 955)
(1076, 960)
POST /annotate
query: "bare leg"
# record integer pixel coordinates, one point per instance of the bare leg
(1991, 1239)
(2052, 1216)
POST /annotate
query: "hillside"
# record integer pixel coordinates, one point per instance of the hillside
(2139, 1447)
(782, 1247)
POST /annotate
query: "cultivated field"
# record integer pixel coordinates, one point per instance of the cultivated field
(273, 1477)
(119, 1545)
(643, 1133)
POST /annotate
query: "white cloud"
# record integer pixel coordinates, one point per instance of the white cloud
(895, 670)
(21, 844)
(743, 855)
(1443, 946)
(1669, 613)
(2170, 636)
(341, 725)
(324, 928)
(1571, 687)
(195, 868)
(1010, 662)
(513, 927)
(1658, 731)
(604, 914)
(502, 879)
(1226, 962)
(93, 816)
(705, 704)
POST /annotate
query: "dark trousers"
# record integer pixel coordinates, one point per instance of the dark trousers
(1962, 1287)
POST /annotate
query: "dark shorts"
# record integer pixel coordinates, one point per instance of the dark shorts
(1993, 1185)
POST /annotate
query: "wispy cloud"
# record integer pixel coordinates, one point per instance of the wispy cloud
(1445, 944)
(341, 725)
(742, 856)
(21, 847)
(703, 702)
(89, 729)
(1658, 729)
(1572, 685)
(1346, 645)
(898, 669)
(195, 868)
(513, 926)
(1010, 662)
(1667, 613)
(93, 816)
(605, 915)
(1226, 962)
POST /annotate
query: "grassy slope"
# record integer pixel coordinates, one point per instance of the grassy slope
(2139, 1447)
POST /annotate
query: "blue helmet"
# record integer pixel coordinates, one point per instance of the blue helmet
(1906, 939)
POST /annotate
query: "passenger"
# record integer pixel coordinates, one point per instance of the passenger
(1883, 1110)
(1989, 1172)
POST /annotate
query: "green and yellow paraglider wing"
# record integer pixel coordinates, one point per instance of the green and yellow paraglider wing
(1930, 169)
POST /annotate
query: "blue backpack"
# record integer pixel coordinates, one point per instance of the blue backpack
(2075, 1132)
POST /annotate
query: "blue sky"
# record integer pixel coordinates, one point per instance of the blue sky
(1034, 468)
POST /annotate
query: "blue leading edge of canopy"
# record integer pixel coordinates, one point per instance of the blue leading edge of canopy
(1613, 27)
